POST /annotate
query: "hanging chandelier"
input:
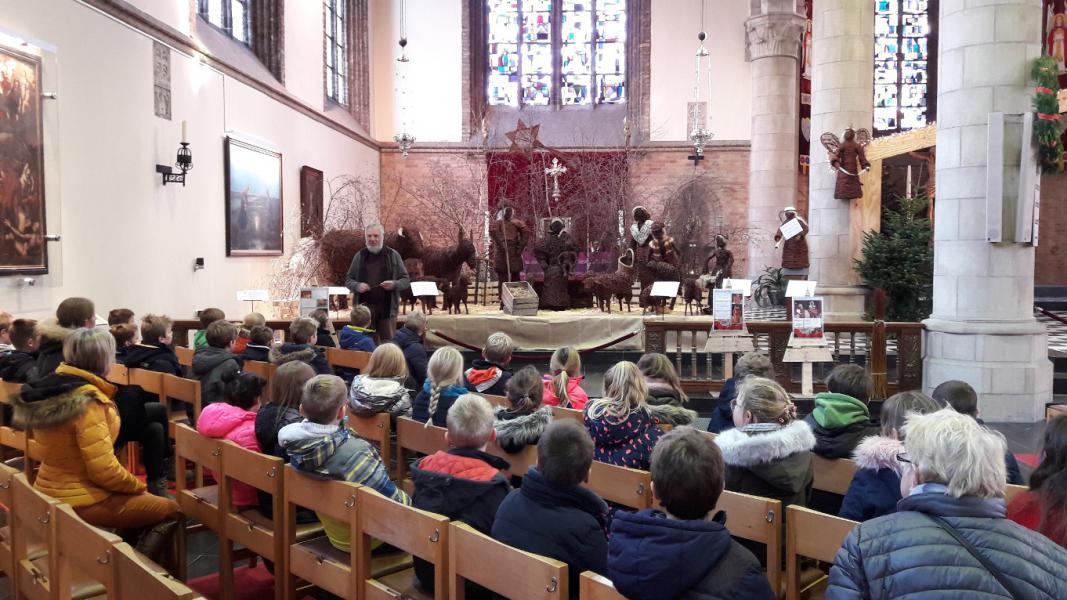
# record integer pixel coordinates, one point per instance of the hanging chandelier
(404, 140)
(700, 135)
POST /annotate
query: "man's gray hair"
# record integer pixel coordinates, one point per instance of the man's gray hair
(953, 449)
(377, 226)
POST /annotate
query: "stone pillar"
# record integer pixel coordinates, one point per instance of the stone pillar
(982, 329)
(773, 37)
(842, 95)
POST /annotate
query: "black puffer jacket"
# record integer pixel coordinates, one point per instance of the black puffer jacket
(154, 357)
(415, 354)
(16, 366)
(907, 555)
(50, 348)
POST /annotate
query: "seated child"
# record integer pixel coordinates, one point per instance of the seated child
(552, 514)
(260, 341)
(121, 316)
(563, 385)
(841, 418)
(322, 446)
(464, 483)
(355, 335)
(324, 333)
(215, 363)
(664, 386)
(964, 400)
(207, 317)
(768, 453)
(522, 423)
(244, 335)
(750, 364)
(286, 388)
(17, 364)
(125, 336)
(154, 353)
(409, 338)
(235, 420)
(5, 333)
(623, 427)
(685, 552)
(489, 374)
(303, 336)
(875, 488)
(444, 383)
(381, 388)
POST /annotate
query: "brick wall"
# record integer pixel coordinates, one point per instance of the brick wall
(1050, 264)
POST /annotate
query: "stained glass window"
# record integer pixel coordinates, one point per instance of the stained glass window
(231, 16)
(901, 55)
(556, 52)
(335, 19)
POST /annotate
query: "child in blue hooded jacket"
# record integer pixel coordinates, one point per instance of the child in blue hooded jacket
(685, 552)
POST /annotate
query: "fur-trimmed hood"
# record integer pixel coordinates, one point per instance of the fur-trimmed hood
(746, 450)
(279, 355)
(669, 414)
(52, 330)
(878, 452)
(58, 398)
(514, 432)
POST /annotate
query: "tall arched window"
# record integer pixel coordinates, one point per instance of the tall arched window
(231, 16)
(555, 53)
(903, 51)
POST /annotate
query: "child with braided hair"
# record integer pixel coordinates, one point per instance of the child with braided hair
(444, 383)
(522, 423)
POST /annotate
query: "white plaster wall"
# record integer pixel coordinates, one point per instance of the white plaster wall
(304, 37)
(127, 240)
(675, 25)
(175, 13)
(434, 74)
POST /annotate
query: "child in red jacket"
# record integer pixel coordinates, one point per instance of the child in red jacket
(235, 420)
(1044, 507)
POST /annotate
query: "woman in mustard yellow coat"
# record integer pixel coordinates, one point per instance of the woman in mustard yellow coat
(75, 422)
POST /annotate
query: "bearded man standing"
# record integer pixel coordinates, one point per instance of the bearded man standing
(376, 277)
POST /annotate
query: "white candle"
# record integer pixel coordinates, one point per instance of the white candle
(184, 137)
(907, 193)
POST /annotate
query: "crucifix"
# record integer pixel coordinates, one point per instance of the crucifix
(554, 172)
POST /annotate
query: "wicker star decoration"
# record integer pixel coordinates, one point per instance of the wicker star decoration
(524, 138)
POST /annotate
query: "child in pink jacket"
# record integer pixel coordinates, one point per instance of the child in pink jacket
(563, 385)
(235, 420)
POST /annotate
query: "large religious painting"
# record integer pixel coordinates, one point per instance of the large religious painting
(253, 200)
(311, 222)
(22, 216)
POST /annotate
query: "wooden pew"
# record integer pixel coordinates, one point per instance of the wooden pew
(759, 520)
(186, 390)
(810, 534)
(201, 503)
(118, 375)
(138, 578)
(185, 356)
(35, 556)
(495, 401)
(1011, 491)
(377, 430)
(558, 412)
(628, 487)
(414, 437)
(347, 359)
(597, 587)
(265, 371)
(7, 532)
(833, 475)
(500, 568)
(417, 532)
(520, 461)
(85, 556)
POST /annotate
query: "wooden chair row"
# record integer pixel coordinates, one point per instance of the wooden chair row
(49, 553)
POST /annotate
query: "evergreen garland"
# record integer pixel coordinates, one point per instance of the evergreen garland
(1047, 126)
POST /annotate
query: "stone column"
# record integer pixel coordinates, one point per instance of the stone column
(982, 329)
(773, 38)
(842, 95)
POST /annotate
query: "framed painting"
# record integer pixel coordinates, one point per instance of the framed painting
(254, 225)
(311, 223)
(23, 248)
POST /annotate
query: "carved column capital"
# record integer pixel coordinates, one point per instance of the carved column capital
(774, 34)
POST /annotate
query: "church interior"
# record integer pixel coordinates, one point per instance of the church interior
(859, 205)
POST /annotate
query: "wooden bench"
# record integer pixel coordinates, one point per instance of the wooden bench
(520, 461)
(185, 356)
(138, 578)
(266, 372)
(1055, 410)
(7, 532)
(414, 437)
(558, 412)
(417, 532)
(500, 568)
(1011, 491)
(629, 487)
(34, 523)
(347, 359)
(200, 503)
(186, 390)
(118, 375)
(833, 475)
(377, 430)
(810, 534)
(85, 556)
(759, 520)
(596, 587)
(495, 401)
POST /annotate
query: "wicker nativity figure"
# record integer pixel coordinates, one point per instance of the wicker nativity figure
(556, 253)
(509, 235)
(848, 159)
(720, 264)
(640, 238)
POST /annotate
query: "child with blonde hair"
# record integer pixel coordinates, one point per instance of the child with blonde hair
(490, 373)
(563, 383)
(444, 383)
(381, 387)
(623, 429)
(768, 453)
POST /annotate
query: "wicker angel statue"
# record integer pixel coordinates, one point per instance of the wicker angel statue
(848, 160)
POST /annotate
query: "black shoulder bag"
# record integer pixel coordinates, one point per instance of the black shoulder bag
(997, 574)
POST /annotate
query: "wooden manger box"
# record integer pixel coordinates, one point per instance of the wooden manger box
(519, 299)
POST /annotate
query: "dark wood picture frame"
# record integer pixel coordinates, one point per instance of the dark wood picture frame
(267, 179)
(23, 248)
(311, 208)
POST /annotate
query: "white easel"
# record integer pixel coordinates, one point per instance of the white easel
(806, 352)
(728, 343)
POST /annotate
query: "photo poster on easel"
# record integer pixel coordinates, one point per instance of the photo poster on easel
(738, 285)
(338, 297)
(728, 310)
(808, 317)
(313, 298)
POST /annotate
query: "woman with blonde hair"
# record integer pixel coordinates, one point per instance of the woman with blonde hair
(75, 422)
(623, 429)
(381, 387)
(444, 383)
(769, 452)
(563, 383)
